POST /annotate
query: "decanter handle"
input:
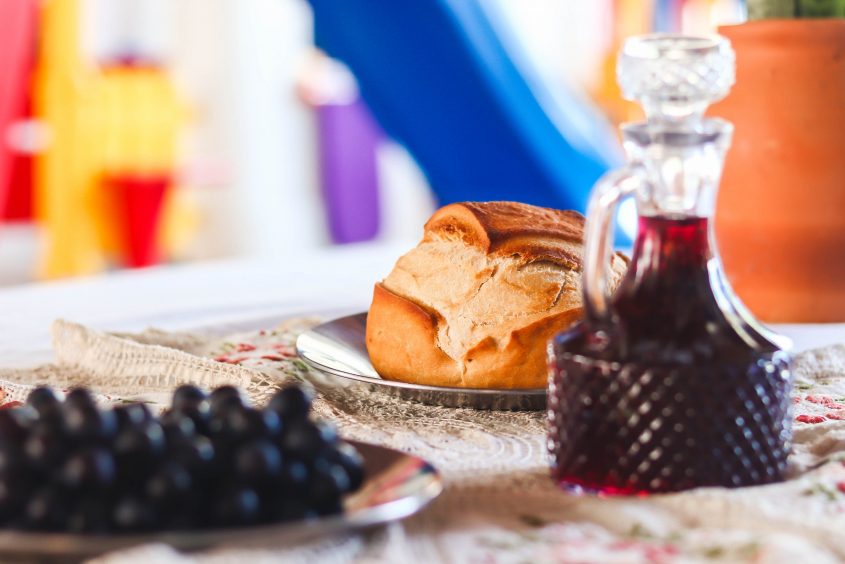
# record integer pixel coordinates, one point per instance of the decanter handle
(610, 190)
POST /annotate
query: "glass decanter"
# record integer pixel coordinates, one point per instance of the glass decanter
(668, 383)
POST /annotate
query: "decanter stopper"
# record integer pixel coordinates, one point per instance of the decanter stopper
(675, 77)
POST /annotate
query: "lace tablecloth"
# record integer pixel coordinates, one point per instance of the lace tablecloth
(499, 504)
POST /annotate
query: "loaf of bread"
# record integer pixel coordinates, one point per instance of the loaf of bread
(476, 302)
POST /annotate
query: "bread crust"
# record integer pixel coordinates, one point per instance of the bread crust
(465, 309)
(394, 325)
(511, 228)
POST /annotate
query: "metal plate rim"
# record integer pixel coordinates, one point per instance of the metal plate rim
(421, 387)
(303, 353)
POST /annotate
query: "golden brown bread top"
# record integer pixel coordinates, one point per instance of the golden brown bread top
(511, 229)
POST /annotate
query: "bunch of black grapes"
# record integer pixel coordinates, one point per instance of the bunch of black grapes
(209, 461)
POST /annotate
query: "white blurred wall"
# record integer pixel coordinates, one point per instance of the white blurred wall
(241, 68)
(566, 40)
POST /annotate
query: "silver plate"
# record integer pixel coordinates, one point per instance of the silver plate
(397, 486)
(338, 348)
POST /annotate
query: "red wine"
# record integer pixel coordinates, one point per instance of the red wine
(678, 388)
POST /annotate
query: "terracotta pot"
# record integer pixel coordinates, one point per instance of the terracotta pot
(780, 219)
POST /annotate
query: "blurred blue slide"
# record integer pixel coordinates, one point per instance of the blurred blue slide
(444, 79)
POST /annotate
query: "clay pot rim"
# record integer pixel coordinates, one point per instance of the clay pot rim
(815, 30)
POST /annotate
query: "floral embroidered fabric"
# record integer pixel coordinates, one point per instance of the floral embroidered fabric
(499, 504)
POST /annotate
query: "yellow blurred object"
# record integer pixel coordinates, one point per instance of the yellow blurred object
(123, 119)
(180, 218)
(630, 17)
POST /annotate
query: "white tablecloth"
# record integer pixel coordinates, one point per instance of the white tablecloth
(204, 295)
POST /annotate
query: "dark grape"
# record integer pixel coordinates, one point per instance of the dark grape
(134, 514)
(196, 455)
(11, 428)
(237, 507)
(291, 403)
(190, 402)
(43, 400)
(48, 509)
(79, 397)
(46, 446)
(90, 469)
(295, 476)
(328, 432)
(331, 506)
(188, 398)
(272, 423)
(169, 484)
(12, 459)
(184, 518)
(178, 428)
(246, 423)
(86, 423)
(140, 444)
(302, 439)
(191, 423)
(350, 459)
(90, 516)
(224, 398)
(328, 482)
(137, 450)
(258, 461)
(14, 491)
(292, 509)
(224, 448)
(131, 414)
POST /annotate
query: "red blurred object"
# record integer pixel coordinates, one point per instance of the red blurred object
(19, 203)
(18, 26)
(139, 200)
(18, 206)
